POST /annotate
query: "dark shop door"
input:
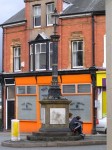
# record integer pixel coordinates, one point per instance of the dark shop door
(10, 113)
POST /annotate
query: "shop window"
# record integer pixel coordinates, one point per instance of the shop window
(83, 88)
(77, 53)
(81, 106)
(50, 11)
(43, 92)
(37, 16)
(10, 92)
(31, 89)
(68, 89)
(26, 108)
(26, 90)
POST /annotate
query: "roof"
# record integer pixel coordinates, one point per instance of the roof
(18, 17)
(84, 6)
(75, 7)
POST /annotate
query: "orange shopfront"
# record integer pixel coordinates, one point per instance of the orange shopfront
(29, 90)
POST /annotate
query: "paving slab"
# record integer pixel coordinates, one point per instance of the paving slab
(98, 139)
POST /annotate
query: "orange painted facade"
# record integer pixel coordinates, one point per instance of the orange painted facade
(30, 126)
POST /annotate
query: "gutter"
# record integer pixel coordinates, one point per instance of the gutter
(13, 24)
(81, 14)
(75, 16)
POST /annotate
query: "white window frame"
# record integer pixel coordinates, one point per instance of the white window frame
(17, 61)
(38, 57)
(37, 14)
(31, 57)
(49, 14)
(75, 53)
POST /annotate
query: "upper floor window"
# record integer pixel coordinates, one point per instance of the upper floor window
(37, 16)
(40, 56)
(50, 11)
(16, 58)
(77, 53)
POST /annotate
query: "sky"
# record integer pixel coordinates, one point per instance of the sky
(8, 8)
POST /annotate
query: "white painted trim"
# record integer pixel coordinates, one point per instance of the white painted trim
(6, 116)
(104, 62)
(75, 16)
(15, 24)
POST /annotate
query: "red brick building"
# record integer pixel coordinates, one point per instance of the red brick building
(27, 58)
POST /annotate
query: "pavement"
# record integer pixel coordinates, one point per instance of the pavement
(97, 139)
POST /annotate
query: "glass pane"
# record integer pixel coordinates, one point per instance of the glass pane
(74, 59)
(37, 48)
(51, 47)
(31, 49)
(16, 64)
(80, 58)
(81, 106)
(42, 61)
(31, 89)
(74, 46)
(43, 47)
(11, 92)
(37, 11)
(68, 88)
(84, 88)
(80, 45)
(50, 8)
(37, 61)
(16, 51)
(50, 19)
(20, 90)
(37, 21)
(31, 62)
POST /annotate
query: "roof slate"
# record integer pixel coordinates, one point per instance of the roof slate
(76, 7)
(84, 6)
(18, 17)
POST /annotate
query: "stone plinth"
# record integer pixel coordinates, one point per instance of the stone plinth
(55, 122)
(55, 115)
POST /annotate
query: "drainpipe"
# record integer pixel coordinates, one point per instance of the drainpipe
(2, 82)
(93, 76)
(93, 41)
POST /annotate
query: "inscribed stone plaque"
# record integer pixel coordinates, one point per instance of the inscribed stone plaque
(26, 107)
(57, 116)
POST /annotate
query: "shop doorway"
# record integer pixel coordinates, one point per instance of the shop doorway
(10, 113)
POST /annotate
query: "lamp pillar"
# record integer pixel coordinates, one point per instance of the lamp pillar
(93, 78)
(55, 109)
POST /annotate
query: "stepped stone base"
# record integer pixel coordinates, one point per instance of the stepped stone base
(53, 136)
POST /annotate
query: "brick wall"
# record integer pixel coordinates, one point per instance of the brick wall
(81, 28)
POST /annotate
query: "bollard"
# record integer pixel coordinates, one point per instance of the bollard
(15, 136)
